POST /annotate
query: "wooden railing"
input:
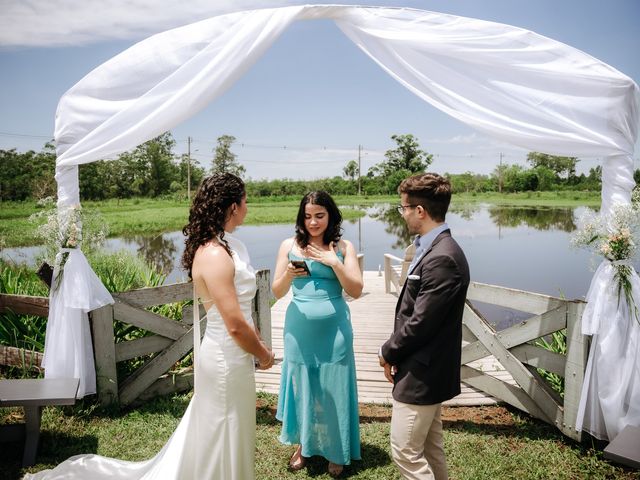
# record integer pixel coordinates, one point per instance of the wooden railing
(515, 349)
(170, 342)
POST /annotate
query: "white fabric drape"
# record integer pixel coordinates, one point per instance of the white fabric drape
(611, 392)
(68, 350)
(510, 83)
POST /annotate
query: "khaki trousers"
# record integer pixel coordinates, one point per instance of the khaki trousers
(416, 441)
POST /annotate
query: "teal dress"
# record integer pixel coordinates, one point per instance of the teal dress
(318, 402)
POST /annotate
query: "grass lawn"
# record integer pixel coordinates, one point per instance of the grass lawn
(480, 443)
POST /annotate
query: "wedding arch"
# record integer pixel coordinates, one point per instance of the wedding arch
(510, 83)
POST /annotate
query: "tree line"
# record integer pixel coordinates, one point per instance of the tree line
(154, 170)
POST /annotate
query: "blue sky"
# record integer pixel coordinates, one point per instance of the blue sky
(304, 108)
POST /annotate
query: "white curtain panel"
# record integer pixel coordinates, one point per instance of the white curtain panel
(510, 83)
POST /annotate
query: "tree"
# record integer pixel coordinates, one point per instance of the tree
(560, 165)
(351, 170)
(224, 159)
(406, 156)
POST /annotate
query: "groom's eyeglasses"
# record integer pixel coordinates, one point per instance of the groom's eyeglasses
(401, 208)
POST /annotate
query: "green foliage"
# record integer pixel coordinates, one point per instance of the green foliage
(404, 160)
(23, 331)
(351, 170)
(27, 175)
(224, 160)
(469, 182)
(561, 166)
(557, 343)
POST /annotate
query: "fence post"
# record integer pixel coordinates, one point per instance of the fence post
(105, 355)
(261, 307)
(577, 351)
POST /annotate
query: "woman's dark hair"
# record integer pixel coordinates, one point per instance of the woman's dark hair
(333, 233)
(208, 213)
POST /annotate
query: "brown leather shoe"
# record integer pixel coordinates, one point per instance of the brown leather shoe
(297, 461)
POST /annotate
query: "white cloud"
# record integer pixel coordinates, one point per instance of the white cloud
(49, 23)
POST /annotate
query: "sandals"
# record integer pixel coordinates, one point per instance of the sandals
(297, 461)
(334, 469)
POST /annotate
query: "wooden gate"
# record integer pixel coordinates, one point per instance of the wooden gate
(169, 342)
(514, 348)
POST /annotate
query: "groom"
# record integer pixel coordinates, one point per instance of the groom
(422, 357)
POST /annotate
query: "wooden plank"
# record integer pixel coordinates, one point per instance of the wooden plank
(524, 378)
(529, 302)
(146, 375)
(141, 347)
(20, 357)
(539, 357)
(530, 329)
(148, 320)
(625, 447)
(165, 385)
(187, 313)
(105, 355)
(147, 297)
(25, 304)
(511, 394)
(577, 352)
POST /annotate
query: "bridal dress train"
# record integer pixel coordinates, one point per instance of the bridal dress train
(215, 439)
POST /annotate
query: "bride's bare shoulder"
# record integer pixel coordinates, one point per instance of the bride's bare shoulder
(211, 252)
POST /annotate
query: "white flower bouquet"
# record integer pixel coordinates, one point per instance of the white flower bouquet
(616, 239)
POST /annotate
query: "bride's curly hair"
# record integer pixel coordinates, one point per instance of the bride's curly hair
(208, 213)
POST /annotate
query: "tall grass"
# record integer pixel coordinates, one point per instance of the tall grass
(557, 343)
(119, 272)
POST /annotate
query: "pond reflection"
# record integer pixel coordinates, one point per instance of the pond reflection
(158, 251)
(543, 218)
(538, 218)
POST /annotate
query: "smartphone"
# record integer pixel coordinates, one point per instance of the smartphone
(301, 264)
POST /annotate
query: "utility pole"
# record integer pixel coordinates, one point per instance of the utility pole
(500, 174)
(359, 183)
(189, 168)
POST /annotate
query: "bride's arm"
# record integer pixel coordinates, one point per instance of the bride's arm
(213, 272)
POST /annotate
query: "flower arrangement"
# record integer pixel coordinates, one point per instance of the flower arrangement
(63, 230)
(616, 239)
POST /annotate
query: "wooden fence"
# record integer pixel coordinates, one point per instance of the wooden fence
(169, 342)
(515, 349)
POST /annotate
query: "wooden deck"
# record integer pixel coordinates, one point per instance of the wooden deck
(372, 318)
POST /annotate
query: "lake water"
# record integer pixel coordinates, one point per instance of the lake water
(523, 248)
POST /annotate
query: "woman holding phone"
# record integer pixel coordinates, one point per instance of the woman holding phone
(318, 401)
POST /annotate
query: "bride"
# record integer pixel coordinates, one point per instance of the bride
(215, 439)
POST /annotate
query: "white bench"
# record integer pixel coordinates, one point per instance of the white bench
(395, 269)
(32, 395)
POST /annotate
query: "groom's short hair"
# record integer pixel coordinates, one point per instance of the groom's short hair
(430, 190)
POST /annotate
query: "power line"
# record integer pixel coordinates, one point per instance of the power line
(10, 134)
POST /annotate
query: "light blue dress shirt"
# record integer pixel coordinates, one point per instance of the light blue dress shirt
(423, 243)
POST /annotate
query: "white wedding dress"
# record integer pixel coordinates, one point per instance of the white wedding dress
(215, 439)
